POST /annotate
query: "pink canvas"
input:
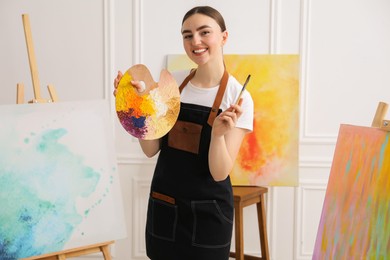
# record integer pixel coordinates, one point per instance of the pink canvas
(355, 217)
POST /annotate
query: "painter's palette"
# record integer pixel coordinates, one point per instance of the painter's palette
(151, 114)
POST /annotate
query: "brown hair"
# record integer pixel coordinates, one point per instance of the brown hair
(208, 11)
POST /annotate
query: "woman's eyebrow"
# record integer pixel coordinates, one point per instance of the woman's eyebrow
(198, 29)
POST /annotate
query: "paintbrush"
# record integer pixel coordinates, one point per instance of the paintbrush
(242, 90)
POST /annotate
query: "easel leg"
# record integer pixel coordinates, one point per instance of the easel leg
(53, 93)
(106, 252)
(20, 93)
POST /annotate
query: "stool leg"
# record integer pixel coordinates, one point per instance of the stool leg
(261, 217)
(239, 232)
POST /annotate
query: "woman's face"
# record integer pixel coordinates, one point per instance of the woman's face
(203, 39)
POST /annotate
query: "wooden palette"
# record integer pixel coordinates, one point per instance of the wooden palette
(152, 113)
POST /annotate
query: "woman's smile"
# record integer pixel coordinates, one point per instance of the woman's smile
(199, 51)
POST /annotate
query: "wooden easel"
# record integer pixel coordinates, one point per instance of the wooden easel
(380, 114)
(34, 71)
(62, 255)
(96, 248)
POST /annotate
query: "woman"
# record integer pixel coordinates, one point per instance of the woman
(190, 211)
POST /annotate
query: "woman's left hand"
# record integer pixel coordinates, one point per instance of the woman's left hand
(227, 120)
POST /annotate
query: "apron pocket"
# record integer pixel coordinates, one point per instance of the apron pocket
(212, 229)
(185, 136)
(161, 219)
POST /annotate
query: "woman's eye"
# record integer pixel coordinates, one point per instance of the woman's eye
(205, 32)
(187, 36)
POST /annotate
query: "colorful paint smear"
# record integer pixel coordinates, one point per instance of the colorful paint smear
(355, 216)
(151, 115)
(269, 154)
(58, 179)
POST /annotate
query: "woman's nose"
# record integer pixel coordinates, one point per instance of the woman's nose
(196, 40)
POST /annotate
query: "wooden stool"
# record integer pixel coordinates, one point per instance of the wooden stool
(246, 196)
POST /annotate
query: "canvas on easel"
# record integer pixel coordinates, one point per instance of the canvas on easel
(269, 154)
(354, 221)
(59, 185)
(59, 190)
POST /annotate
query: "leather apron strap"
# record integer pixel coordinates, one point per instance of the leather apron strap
(218, 98)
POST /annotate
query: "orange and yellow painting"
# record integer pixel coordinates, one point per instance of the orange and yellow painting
(355, 216)
(269, 154)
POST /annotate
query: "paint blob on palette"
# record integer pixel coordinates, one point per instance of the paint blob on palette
(152, 113)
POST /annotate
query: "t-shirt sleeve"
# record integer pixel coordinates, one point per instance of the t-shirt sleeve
(246, 119)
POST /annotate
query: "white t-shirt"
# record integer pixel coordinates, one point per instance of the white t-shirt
(206, 96)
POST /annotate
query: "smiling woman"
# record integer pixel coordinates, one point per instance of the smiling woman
(190, 211)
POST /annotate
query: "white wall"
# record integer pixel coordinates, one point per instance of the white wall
(345, 65)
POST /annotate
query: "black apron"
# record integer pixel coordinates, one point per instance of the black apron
(190, 216)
